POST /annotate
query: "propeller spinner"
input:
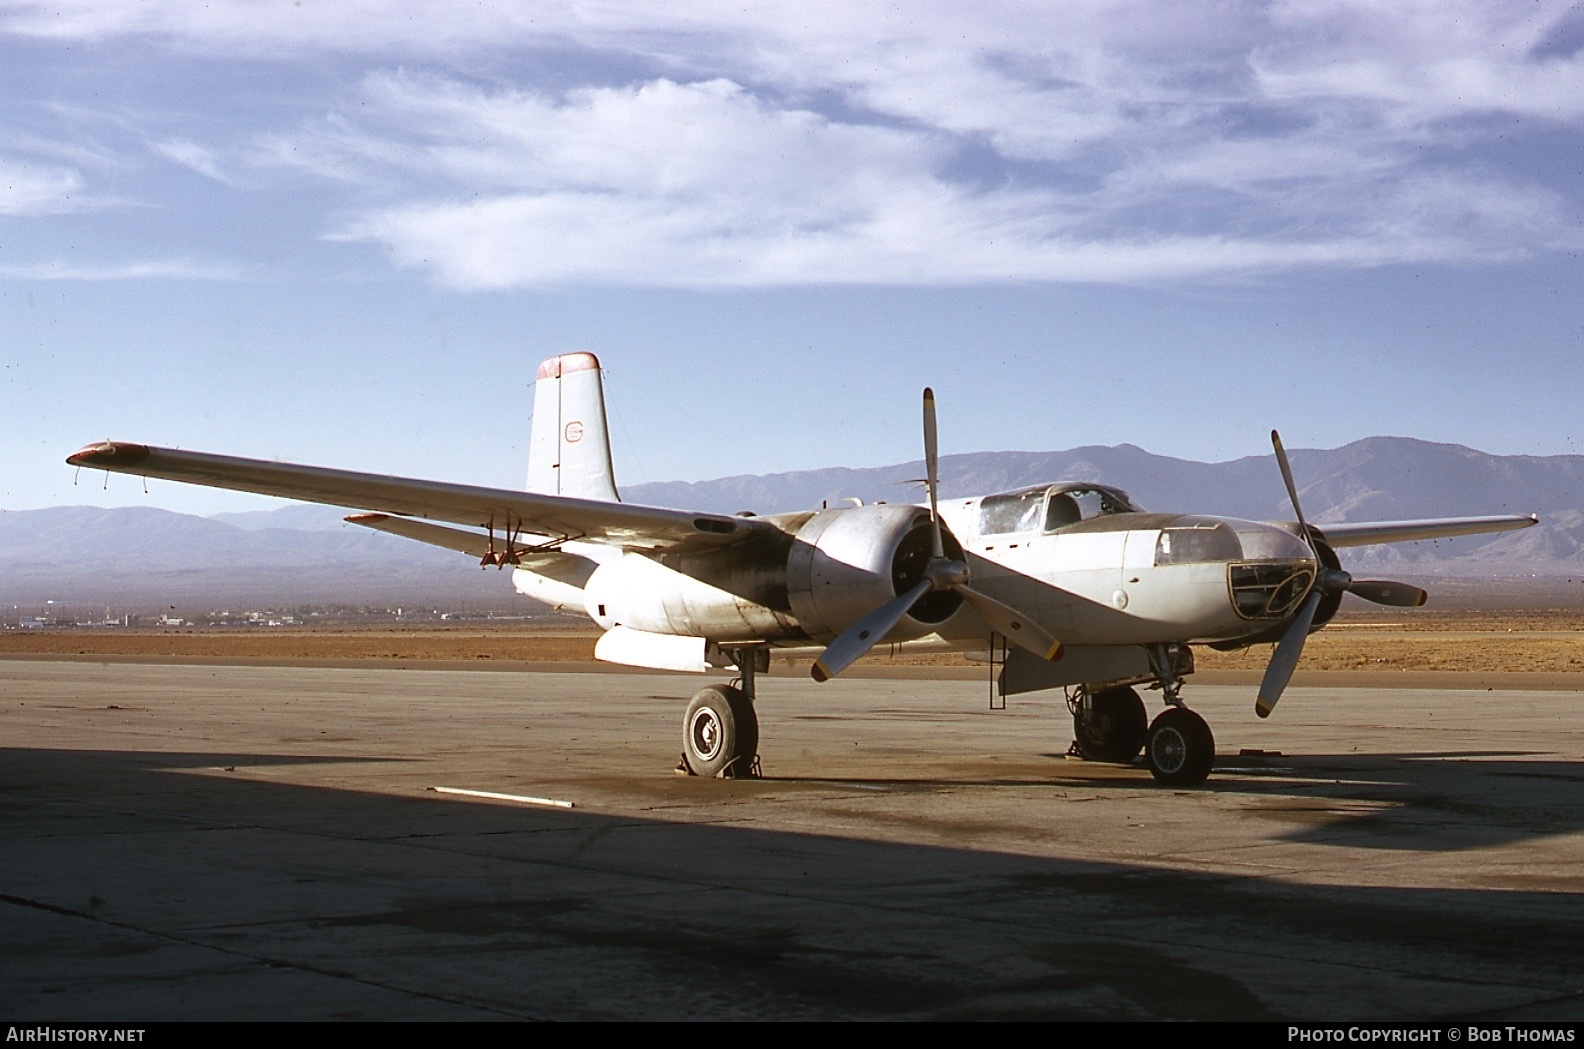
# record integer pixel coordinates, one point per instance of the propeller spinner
(943, 574)
(1284, 660)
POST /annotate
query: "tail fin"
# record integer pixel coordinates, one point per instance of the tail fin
(569, 451)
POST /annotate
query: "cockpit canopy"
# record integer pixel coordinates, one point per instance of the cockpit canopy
(1050, 507)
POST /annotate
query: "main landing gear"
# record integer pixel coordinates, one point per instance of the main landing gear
(1110, 724)
(720, 731)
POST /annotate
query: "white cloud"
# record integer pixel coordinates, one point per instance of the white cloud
(1418, 61)
(198, 158)
(149, 269)
(937, 142)
(704, 184)
(35, 189)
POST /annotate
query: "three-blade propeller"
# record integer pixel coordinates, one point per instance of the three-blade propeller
(942, 573)
(1327, 581)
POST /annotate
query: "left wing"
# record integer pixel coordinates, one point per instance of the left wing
(511, 513)
(1373, 532)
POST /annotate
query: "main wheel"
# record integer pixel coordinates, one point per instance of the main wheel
(720, 733)
(1180, 748)
(1113, 726)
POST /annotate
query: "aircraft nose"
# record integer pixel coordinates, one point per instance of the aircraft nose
(1263, 542)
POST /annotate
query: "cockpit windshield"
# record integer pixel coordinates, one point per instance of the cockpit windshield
(1049, 508)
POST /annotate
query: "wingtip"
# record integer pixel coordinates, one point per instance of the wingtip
(108, 453)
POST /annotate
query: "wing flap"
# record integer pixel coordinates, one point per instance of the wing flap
(1374, 532)
(504, 511)
(471, 543)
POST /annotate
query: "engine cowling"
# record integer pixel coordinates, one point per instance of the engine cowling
(846, 563)
(826, 570)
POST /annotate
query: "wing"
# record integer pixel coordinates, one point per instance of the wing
(1370, 533)
(472, 543)
(507, 512)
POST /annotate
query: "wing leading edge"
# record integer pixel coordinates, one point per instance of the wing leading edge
(1374, 532)
(506, 512)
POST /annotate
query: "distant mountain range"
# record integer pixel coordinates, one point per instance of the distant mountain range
(143, 557)
(1378, 478)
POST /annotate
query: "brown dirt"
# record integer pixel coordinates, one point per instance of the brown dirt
(337, 644)
(1498, 641)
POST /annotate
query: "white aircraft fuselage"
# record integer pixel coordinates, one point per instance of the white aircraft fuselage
(1119, 576)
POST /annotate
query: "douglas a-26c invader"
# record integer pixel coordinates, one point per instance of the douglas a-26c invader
(1078, 587)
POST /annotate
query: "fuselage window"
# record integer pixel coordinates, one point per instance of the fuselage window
(1197, 544)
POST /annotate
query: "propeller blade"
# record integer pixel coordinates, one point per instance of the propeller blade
(931, 474)
(1292, 489)
(1386, 592)
(853, 643)
(1012, 624)
(1285, 659)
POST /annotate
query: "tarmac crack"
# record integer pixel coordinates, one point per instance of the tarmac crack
(256, 957)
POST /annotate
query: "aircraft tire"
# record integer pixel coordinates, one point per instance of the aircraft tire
(1114, 727)
(1180, 748)
(720, 733)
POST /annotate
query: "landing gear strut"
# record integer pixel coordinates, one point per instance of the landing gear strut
(720, 731)
(1180, 748)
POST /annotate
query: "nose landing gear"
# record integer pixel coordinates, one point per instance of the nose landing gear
(1180, 748)
(1110, 724)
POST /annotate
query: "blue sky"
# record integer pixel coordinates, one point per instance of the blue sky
(347, 233)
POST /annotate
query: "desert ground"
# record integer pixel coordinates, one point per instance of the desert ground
(1546, 641)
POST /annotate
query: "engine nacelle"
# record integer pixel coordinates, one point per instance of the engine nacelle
(846, 563)
(824, 571)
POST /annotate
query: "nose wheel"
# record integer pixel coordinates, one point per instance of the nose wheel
(1180, 748)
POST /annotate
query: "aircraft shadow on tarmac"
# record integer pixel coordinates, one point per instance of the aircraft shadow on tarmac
(133, 888)
(1414, 802)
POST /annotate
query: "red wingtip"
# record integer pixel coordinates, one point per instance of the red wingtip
(109, 453)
